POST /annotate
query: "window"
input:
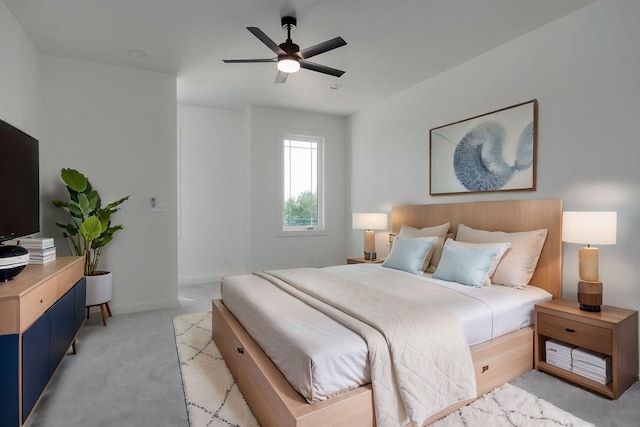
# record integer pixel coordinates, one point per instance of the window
(303, 201)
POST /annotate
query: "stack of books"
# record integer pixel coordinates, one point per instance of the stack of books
(586, 363)
(592, 365)
(41, 249)
(559, 354)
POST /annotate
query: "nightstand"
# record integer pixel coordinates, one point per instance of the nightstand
(364, 261)
(613, 332)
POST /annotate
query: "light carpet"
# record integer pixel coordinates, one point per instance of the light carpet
(213, 399)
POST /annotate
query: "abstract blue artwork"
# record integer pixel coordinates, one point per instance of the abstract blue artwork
(491, 152)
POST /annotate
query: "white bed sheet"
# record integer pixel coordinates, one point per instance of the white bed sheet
(319, 357)
(322, 358)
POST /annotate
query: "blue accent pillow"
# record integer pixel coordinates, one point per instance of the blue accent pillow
(409, 254)
(467, 266)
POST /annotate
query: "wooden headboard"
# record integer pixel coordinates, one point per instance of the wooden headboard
(509, 216)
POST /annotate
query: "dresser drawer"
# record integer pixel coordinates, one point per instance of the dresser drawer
(576, 333)
(34, 303)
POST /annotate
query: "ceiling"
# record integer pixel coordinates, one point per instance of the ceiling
(392, 45)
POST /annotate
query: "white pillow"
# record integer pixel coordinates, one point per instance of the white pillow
(439, 231)
(502, 248)
(409, 254)
(467, 266)
(519, 262)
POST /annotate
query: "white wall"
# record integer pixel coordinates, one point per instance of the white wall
(20, 76)
(213, 180)
(268, 250)
(584, 69)
(118, 126)
(229, 191)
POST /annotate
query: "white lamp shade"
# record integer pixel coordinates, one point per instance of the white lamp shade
(370, 221)
(589, 228)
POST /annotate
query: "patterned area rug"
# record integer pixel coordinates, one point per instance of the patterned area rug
(211, 394)
(213, 399)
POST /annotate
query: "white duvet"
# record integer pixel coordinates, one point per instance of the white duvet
(419, 358)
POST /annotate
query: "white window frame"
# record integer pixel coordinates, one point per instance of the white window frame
(320, 229)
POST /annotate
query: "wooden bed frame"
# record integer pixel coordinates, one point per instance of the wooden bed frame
(276, 404)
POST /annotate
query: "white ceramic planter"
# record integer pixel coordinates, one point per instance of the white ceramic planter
(99, 288)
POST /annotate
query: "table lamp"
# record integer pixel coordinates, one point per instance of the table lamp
(370, 222)
(590, 228)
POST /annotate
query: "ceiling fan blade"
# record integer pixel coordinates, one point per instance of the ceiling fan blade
(320, 68)
(266, 40)
(281, 77)
(243, 61)
(322, 47)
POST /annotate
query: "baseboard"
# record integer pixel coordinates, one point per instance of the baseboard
(146, 306)
(198, 280)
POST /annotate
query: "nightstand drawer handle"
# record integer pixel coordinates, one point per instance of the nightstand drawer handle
(240, 350)
(569, 330)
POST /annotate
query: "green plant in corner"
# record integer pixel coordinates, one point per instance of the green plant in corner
(90, 229)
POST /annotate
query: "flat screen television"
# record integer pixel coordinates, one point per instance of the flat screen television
(19, 183)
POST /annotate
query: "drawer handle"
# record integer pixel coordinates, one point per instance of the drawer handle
(485, 368)
(240, 350)
(41, 301)
(569, 330)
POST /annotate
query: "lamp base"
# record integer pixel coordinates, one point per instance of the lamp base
(590, 295)
(591, 308)
(370, 256)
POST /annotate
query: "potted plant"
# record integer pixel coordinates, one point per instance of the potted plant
(89, 231)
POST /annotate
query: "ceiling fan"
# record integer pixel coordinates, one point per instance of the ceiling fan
(290, 58)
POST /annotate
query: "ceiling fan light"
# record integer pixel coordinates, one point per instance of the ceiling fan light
(288, 64)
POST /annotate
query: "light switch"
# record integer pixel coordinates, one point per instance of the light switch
(157, 206)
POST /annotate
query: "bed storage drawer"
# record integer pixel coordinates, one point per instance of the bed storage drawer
(576, 333)
(502, 359)
(279, 404)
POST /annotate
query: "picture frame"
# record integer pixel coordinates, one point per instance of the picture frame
(491, 152)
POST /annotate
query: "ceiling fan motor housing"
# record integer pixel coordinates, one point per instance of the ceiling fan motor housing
(290, 48)
(289, 22)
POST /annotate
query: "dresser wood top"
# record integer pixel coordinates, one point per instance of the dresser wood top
(34, 275)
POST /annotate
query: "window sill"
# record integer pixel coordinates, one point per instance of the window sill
(299, 233)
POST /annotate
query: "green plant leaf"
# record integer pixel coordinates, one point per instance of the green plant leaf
(70, 229)
(102, 241)
(111, 230)
(74, 180)
(75, 210)
(71, 208)
(91, 228)
(106, 236)
(117, 203)
(104, 222)
(94, 199)
(84, 205)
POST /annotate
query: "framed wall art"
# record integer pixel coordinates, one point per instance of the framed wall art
(495, 151)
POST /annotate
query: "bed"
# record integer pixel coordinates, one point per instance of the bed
(497, 360)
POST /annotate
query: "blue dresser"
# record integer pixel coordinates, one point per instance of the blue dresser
(41, 312)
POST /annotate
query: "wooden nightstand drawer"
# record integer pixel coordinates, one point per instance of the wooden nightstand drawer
(576, 333)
